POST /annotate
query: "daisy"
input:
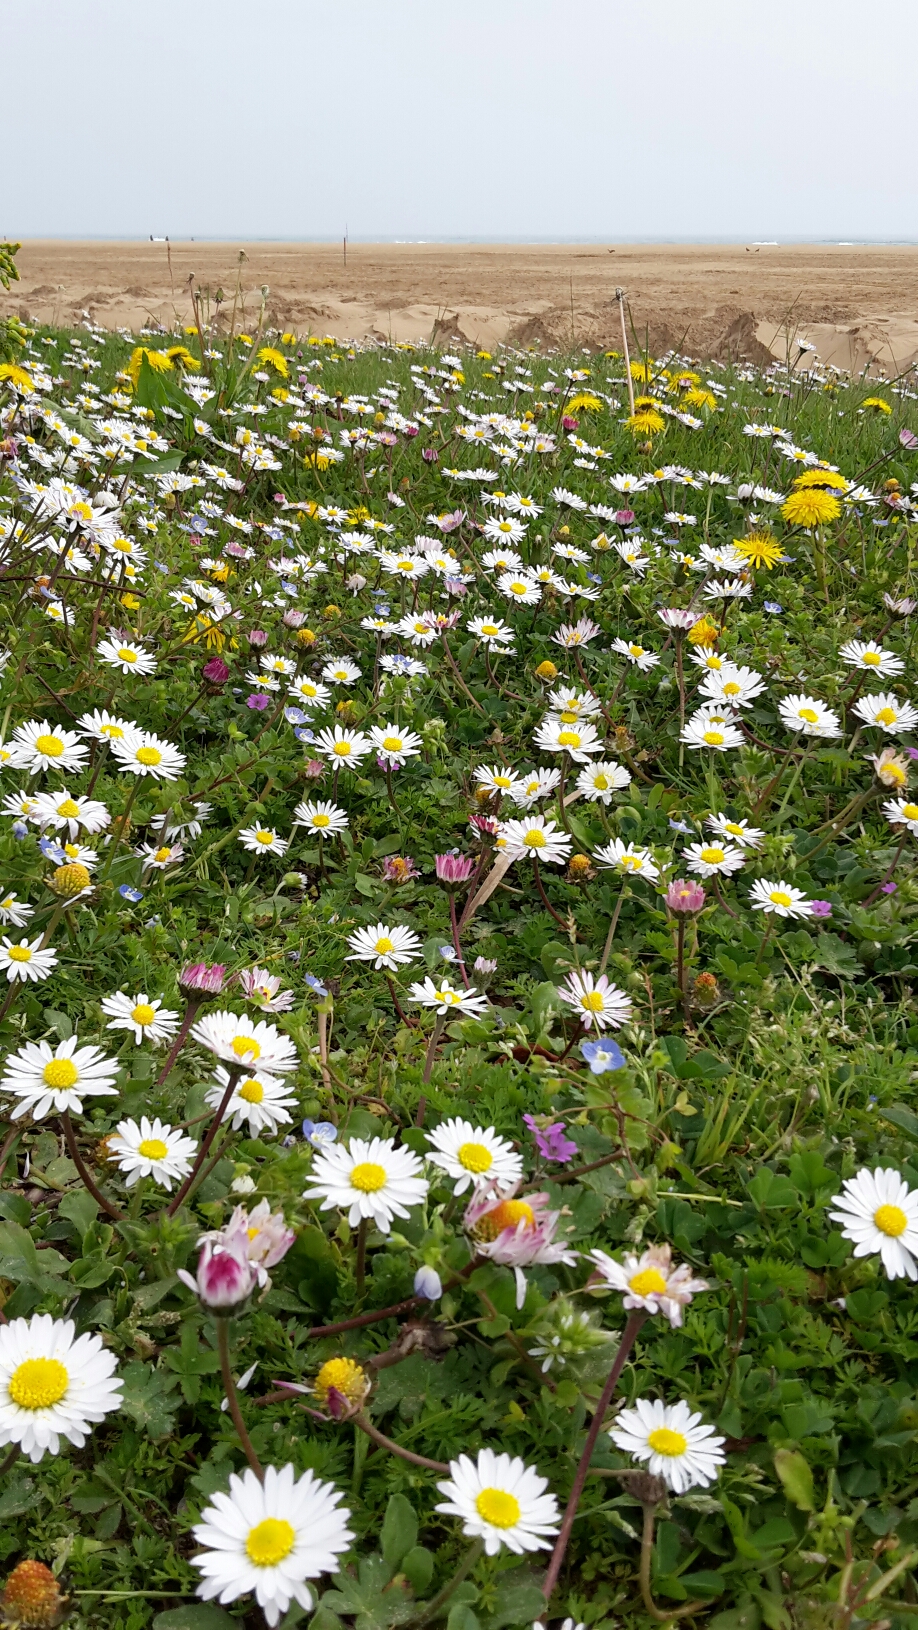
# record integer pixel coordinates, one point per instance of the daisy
(491, 778)
(879, 1212)
(630, 861)
(809, 715)
(502, 560)
(532, 786)
(492, 631)
(43, 1077)
(103, 726)
(20, 806)
(150, 1021)
(886, 712)
(896, 810)
(41, 746)
(870, 656)
(418, 631)
(516, 1233)
(642, 659)
(259, 1101)
(156, 857)
(748, 837)
(370, 1180)
(536, 836)
(279, 665)
(146, 754)
(152, 1149)
(735, 687)
(385, 947)
(504, 529)
(14, 911)
(779, 899)
(701, 732)
(394, 745)
(311, 694)
(519, 589)
(472, 1155)
(501, 1500)
(650, 1281)
(129, 658)
(344, 748)
(325, 819)
(26, 960)
(579, 741)
(597, 1001)
(598, 782)
(409, 565)
(444, 998)
(571, 705)
(676, 1445)
(262, 840)
(270, 1538)
(61, 809)
(245, 1042)
(711, 860)
(52, 1386)
(705, 656)
(341, 672)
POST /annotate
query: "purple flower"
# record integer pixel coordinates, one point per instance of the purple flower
(257, 700)
(568, 422)
(912, 752)
(427, 1283)
(454, 868)
(313, 769)
(685, 896)
(319, 1133)
(127, 893)
(449, 523)
(624, 517)
(215, 671)
(889, 888)
(551, 1141)
(399, 869)
(820, 908)
(225, 1277)
(198, 977)
(429, 455)
(602, 1056)
(257, 637)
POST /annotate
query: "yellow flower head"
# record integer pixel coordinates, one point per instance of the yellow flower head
(180, 356)
(760, 549)
(704, 632)
(584, 402)
(274, 359)
(17, 376)
(642, 371)
(159, 361)
(811, 507)
(346, 1377)
(877, 404)
(699, 398)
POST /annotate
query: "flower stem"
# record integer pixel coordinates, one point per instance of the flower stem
(629, 1337)
(232, 1398)
(607, 948)
(430, 1055)
(383, 1442)
(123, 819)
(191, 1013)
(83, 1170)
(234, 1073)
(360, 1266)
(433, 1609)
(544, 897)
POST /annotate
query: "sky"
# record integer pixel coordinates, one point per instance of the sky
(482, 119)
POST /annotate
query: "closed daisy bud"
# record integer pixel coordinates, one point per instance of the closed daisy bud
(70, 881)
(546, 671)
(305, 636)
(32, 1597)
(344, 1377)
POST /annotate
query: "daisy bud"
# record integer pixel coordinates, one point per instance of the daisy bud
(579, 867)
(215, 671)
(305, 636)
(198, 979)
(341, 1386)
(454, 869)
(68, 882)
(293, 618)
(225, 1277)
(313, 769)
(427, 1283)
(257, 637)
(32, 1597)
(685, 896)
(705, 990)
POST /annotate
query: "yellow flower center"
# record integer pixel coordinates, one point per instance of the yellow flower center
(518, 588)
(636, 650)
(150, 756)
(153, 1149)
(263, 836)
(509, 1214)
(345, 1376)
(405, 565)
(910, 811)
(631, 863)
(384, 945)
(663, 1441)
(50, 746)
(887, 715)
(475, 1157)
(143, 1013)
(342, 748)
(734, 830)
(779, 897)
(37, 1383)
(731, 688)
(126, 655)
(809, 714)
(20, 953)
(713, 738)
(114, 731)
(891, 1220)
(70, 808)
(490, 628)
(60, 1072)
(601, 782)
(649, 1282)
(712, 857)
(368, 1177)
(269, 1542)
(321, 820)
(246, 1047)
(252, 1091)
(568, 738)
(534, 838)
(499, 1509)
(592, 1001)
(392, 744)
(872, 659)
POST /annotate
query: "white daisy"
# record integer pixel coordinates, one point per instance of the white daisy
(809, 715)
(311, 694)
(598, 782)
(341, 672)
(748, 837)
(343, 748)
(492, 778)
(643, 659)
(474, 1155)
(78, 814)
(886, 712)
(879, 1212)
(52, 1386)
(394, 745)
(492, 631)
(39, 745)
(675, 1444)
(896, 810)
(259, 1101)
(871, 657)
(597, 1001)
(27, 960)
(126, 656)
(701, 732)
(146, 754)
(579, 740)
(149, 1020)
(735, 687)
(103, 726)
(712, 859)
(519, 588)
(370, 1180)
(384, 946)
(780, 899)
(14, 911)
(536, 836)
(627, 859)
(245, 1042)
(445, 998)
(45, 1078)
(531, 786)
(152, 1149)
(650, 1281)
(268, 1539)
(323, 818)
(501, 1500)
(263, 840)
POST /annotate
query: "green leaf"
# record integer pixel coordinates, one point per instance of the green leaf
(196, 1616)
(80, 1209)
(771, 1192)
(146, 1398)
(796, 1477)
(20, 1262)
(906, 1121)
(515, 1604)
(808, 1173)
(19, 1497)
(417, 1567)
(544, 1002)
(399, 1531)
(461, 1617)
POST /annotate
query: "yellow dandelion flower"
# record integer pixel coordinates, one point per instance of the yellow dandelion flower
(159, 361)
(704, 632)
(642, 371)
(877, 404)
(646, 422)
(826, 480)
(17, 376)
(584, 402)
(760, 549)
(179, 355)
(811, 507)
(274, 359)
(699, 398)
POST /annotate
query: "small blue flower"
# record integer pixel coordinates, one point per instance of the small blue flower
(319, 1133)
(773, 607)
(129, 893)
(315, 984)
(20, 829)
(602, 1056)
(294, 715)
(52, 851)
(427, 1283)
(304, 735)
(681, 826)
(448, 953)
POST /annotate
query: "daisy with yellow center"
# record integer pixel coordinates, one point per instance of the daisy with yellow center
(147, 1018)
(879, 1214)
(649, 1281)
(43, 1078)
(52, 1385)
(369, 1180)
(501, 1501)
(473, 1155)
(673, 1443)
(151, 1149)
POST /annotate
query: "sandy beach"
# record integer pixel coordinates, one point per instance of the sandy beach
(857, 304)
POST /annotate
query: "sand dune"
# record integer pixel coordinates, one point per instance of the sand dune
(857, 304)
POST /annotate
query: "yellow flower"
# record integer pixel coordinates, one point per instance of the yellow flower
(827, 480)
(584, 402)
(547, 671)
(280, 394)
(704, 632)
(699, 398)
(305, 636)
(245, 339)
(130, 602)
(318, 461)
(811, 507)
(760, 549)
(877, 403)
(645, 420)
(182, 356)
(159, 361)
(346, 1377)
(483, 356)
(274, 359)
(642, 371)
(289, 338)
(17, 376)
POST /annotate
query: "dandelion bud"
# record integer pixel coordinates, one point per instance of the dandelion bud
(215, 671)
(69, 881)
(257, 637)
(200, 979)
(32, 1597)
(453, 869)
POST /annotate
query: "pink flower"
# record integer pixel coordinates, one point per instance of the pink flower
(624, 517)
(680, 620)
(215, 671)
(257, 700)
(262, 1235)
(649, 1281)
(684, 895)
(314, 769)
(568, 422)
(515, 1233)
(429, 455)
(551, 1141)
(257, 637)
(198, 977)
(449, 523)
(225, 1276)
(261, 987)
(453, 868)
(820, 908)
(399, 869)
(456, 587)
(293, 618)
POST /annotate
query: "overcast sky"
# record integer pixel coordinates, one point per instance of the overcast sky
(494, 119)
